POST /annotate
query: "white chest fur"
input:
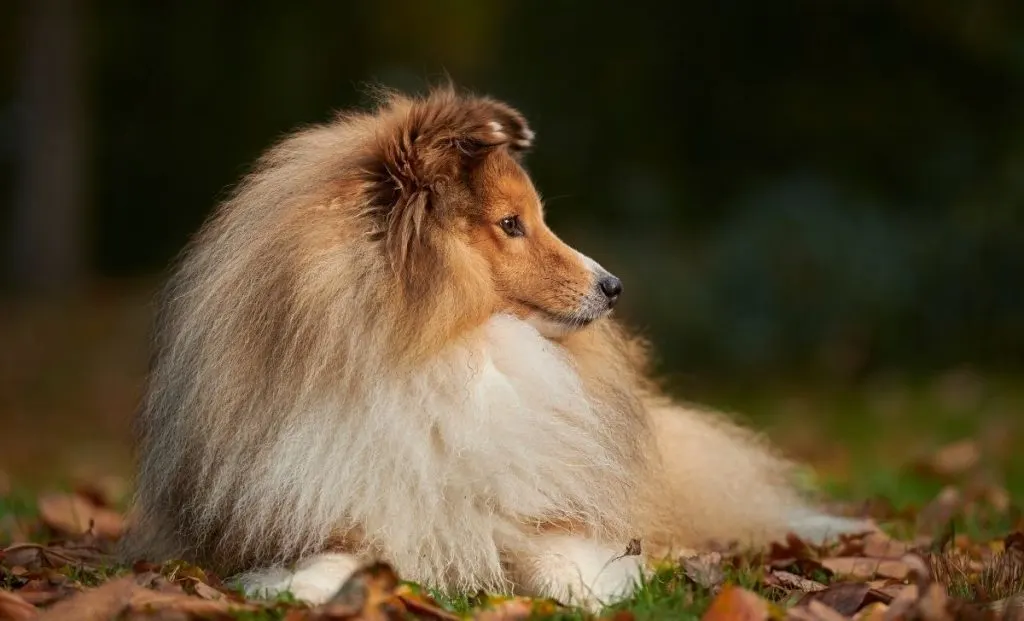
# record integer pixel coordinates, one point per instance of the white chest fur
(436, 467)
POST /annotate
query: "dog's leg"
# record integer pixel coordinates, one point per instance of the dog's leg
(575, 570)
(314, 579)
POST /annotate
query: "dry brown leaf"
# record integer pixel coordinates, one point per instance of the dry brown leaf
(100, 604)
(15, 608)
(880, 545)
(423, 606)
(49, 587)
(203, 590)
(515, 609)
(791, 581)
(72, 514)
(872, 612)
(793, 548)
(143, 600)
(1014, 543)
(920, 571)
(633, 548)
(22, 555)
(823, 612)
(370, 593)
(902, 604)
(736, 604)
(33, 556)
(705, 570)
(888, 588)
(933, 605)
(867, 568)
(846, 597)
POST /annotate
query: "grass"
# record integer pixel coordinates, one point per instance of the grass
(862, 441)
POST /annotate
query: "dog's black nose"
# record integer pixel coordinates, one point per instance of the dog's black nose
(611, 287)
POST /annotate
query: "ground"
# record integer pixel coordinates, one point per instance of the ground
(935, 463)
(935, 459)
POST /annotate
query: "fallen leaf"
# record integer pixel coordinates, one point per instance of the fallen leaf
(146, 601)
(14, 608)
(792, 581)
(919, 570)
(847, 597)
(880, 545)
(824, 612)
(736, 604)
(866, 568)
(203, 590)
(46, 590)
(516, 609)
(872, 612)
(792, 548)
(888, 588)
(72, 514)
(633, 548)
(421, 605)
(902, 603)
(933, 605)
(370, 593)
(1014, 542)
(705, 570)
(33, 556)
(100, 604)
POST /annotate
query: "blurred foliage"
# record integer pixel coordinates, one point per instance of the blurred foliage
(799, 186)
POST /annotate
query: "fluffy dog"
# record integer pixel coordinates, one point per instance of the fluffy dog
(375, 349)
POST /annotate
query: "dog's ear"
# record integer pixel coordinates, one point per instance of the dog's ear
(420, 146)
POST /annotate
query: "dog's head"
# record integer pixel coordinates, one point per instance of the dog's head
(451, 201)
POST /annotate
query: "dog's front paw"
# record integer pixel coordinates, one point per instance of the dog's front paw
(580, 572)
(314, 580)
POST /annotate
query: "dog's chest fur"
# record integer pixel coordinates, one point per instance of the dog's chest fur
(442, 466)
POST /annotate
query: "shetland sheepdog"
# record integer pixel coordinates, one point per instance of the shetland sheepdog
(376, 349)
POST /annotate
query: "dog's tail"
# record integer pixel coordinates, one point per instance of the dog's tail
(715, 481)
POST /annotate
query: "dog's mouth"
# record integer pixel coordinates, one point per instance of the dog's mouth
(554, 323)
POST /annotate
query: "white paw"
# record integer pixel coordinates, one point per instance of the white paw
(582, 572)
(314, 580)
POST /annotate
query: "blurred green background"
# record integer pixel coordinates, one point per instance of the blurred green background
(817, 208)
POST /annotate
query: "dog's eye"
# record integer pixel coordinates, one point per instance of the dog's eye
(512, 226)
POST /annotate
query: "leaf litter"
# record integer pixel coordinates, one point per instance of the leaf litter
(928, 572)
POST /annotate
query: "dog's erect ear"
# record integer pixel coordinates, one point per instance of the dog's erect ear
(421, 144)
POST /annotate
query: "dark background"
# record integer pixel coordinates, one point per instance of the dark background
(826, 192)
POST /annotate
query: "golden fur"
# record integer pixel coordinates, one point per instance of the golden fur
(360, 356)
